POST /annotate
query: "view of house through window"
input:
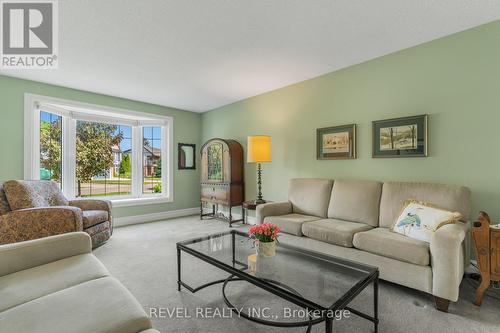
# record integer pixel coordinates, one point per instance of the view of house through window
(151, 159)
(50, 146)
(103, 159)
(99, 152)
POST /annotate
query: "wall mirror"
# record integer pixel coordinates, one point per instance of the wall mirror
(187, 157)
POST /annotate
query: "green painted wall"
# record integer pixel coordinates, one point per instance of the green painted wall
(456, 80)
(187, 129)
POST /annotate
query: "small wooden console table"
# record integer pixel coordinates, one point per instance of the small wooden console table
(487, 245)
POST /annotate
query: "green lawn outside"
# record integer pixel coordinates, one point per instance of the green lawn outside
(123, 181)
(111, 182)
(104, 195)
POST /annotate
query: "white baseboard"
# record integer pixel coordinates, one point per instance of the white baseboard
(136, 219)
(236, 216)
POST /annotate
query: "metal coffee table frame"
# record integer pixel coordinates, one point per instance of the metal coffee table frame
(280, 290)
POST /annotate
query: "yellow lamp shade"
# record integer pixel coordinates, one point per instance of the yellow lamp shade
(259, 149)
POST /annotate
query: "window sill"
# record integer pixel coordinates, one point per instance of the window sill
(140, 201)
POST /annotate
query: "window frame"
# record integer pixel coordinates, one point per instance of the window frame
(71, 112)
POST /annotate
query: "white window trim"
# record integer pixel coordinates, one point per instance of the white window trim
(72, 110)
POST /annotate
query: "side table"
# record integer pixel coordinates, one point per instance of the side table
(487, 245)
(249, 205)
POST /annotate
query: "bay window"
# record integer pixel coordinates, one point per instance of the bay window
(96, 151)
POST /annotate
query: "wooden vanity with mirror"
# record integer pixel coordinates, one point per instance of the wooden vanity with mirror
(221, 178)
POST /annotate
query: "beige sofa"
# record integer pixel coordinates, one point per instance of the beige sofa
(352, 219)
(56, 285)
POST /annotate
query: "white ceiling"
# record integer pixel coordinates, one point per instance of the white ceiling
(201, 54)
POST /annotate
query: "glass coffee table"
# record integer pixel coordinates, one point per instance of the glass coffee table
(319, 283)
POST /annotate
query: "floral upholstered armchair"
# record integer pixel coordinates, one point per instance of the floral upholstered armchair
(37, 208)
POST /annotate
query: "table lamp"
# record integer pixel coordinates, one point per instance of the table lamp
(259, 151)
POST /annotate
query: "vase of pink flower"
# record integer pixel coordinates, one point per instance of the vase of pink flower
(266, 237)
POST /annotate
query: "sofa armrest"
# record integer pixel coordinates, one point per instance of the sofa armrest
(448, 253)
(23, 255)
(272, 209)
(31, 223)
(92, 204)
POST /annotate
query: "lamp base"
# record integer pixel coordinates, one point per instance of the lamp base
(259, 185)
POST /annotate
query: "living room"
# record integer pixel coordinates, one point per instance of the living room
(240, 166)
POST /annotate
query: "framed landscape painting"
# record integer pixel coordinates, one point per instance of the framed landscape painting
(338, 142)
(400, 137)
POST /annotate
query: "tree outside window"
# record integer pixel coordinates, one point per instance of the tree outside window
(103, 154)
(50, 146)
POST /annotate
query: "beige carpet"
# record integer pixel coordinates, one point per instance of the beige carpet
(143, 258)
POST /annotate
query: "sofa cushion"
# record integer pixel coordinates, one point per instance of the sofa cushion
(290, 223)
(420, 220)
(29, 284)
(449, 197)
(50, 191)
(406, 274)
(384, 242)
(333, 231)
(355, 200)
(93, 217)
(310, 196)
(23, 194)
(97, 306)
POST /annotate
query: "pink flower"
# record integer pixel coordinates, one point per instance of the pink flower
(266, 232)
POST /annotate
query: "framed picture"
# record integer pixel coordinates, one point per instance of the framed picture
(400, 137)
(338, 142)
